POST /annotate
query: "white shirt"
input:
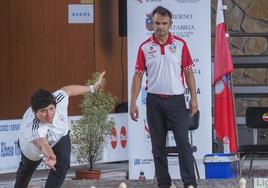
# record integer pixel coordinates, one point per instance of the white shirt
(164, 64)
(32, 128)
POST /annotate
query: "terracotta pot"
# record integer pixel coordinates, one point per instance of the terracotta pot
(87, 174)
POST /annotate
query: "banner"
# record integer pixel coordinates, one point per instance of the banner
(191, 21)
(115, 148)
(224, 111)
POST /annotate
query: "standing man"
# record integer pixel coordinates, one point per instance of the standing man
(45, 134)
(166, 60)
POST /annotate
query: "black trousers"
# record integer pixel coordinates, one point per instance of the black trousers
(55, 178)
(161, 113)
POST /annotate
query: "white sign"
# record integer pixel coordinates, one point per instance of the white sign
(10, 152)
(260, 182)
(116, 146)
(191, 21)
(80, 13)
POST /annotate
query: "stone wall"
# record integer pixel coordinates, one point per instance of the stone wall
(246, 16)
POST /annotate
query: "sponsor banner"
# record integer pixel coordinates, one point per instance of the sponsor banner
(191, 21)
(10, 152)
(115, 148)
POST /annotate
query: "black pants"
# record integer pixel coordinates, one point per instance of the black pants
(55, 179)
(163, 112)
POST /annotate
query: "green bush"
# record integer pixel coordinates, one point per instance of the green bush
(89, 133)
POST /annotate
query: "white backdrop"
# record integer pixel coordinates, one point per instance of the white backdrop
(191, 21)
(115, 148)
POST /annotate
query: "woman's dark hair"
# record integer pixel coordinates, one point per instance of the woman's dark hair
(162, 11)
(41, 98)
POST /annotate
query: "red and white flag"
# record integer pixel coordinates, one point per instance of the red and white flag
(224, 120)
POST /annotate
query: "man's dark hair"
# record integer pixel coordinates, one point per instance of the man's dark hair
(41, 98)
(162, 11)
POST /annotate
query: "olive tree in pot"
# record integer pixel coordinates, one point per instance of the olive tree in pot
(90, 132)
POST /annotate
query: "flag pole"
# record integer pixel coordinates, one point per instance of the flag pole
(231, 79)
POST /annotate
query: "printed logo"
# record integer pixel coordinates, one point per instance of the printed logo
(143, 161)
(137, 161)
(173, 48)
(149, 22)
(151, 50)
(265, 117)
(152, 53)
(123, 137)
(113, 138)
(219, 87)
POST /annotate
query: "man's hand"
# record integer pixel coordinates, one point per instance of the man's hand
(193, 106)
(134, 112)
(97, 84)
(49, 156)
(50, 162)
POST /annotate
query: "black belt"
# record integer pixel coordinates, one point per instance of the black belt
(164, 96)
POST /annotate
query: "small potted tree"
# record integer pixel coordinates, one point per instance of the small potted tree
(90, 132)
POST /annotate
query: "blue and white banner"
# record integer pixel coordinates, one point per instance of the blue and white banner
(10, 152)
(191, 21)
(115, 147)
